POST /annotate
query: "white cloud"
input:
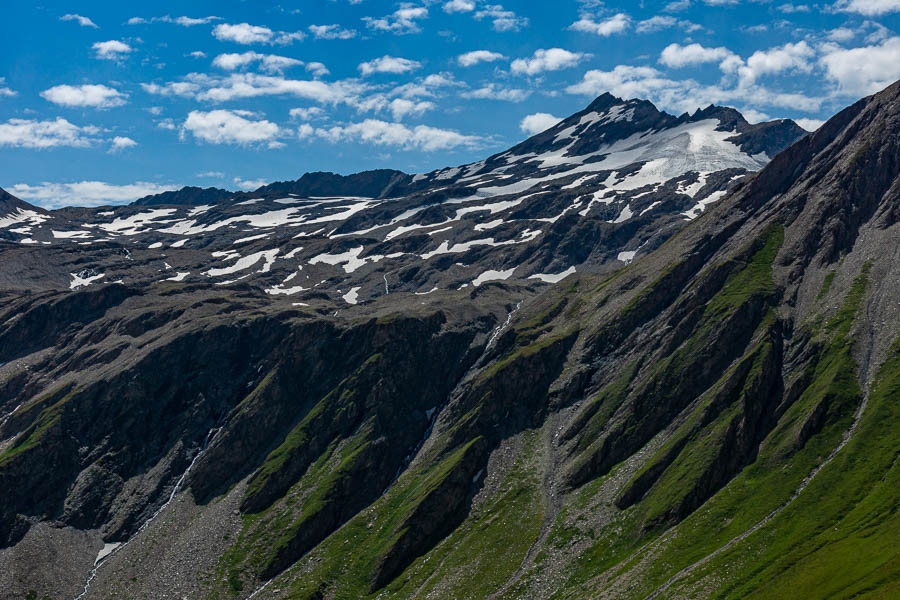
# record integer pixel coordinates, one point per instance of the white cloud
(121, 143)
(27, 133)
(494, 92)
(271, 63)
(501, 19)
(686, 95)
(253, 85)
(306, 114)
(5, 91)
(401, 107)
(229, 127)
(809, 124)
(249, 184)
(83, 21)
(477, 56)
(183, 21)
(794, 8)
(870, 8)
(660, 22)
(790, 57)
(678, 6)
(197, 54)
(676, 55)
(459, 6)
(86, 193)
(538, 122)
(96, 96)
(401, 21)
(317, 69)
(214, 174)
(388, 64)
(190, 22)
(614, 24)
(331, 32)
(305, 131)
(864, 70)
(245, 33)
(383, 133)
(111, 50)
(552, 59)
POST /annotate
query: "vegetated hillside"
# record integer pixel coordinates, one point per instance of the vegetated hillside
(717, 419)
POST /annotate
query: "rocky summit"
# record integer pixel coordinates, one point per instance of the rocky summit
(635, 356)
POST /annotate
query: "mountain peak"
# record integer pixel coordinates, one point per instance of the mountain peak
(604, 102)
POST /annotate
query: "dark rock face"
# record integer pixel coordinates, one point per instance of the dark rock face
(379, 183)
(722, 410)
(186, 196)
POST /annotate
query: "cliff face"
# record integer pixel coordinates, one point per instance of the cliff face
(718, 419)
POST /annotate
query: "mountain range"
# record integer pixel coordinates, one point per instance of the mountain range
(635, 356)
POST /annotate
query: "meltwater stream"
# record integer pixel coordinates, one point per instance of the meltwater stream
(111, 549)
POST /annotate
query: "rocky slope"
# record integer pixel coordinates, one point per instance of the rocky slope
(717, 419)
(610, 182)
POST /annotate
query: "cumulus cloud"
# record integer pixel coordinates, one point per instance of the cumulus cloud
(245, 33)
(121, 143)
(271, 63)
(401, 21)
(183, 21)
(493, 91)
(83, 21)
(229, 127)
(478, 56)
(676, 55)
(87, 193)
(29, 133)
(614, 24)
(5, 91)
(307, 113)
(95, 96)
(789, 57)
(253, 85)
(864, 70)
(538, 122)
(249, 185)
(809, 124)
(401, 107)
(660, 22)
(388, 64)
(501, 19)
(331, 32)
(197, 54)
(870, 8)
(383, 133)
(552, 59)
(685, 95)
(111, 50)
(459, 6)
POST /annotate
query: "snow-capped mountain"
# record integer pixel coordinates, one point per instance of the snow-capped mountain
(598, 188)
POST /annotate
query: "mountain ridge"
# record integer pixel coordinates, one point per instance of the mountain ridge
(715, 419)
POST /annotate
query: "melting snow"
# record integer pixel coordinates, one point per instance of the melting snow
(352, 296)
(553, 277)
(82, 279)
(246, 262)
(492, 275)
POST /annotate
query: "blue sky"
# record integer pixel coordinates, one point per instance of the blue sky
(102, 103)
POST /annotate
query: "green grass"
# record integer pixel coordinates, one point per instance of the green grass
(484, 552)
(784, 459)
(370, 534)
(826, 284)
